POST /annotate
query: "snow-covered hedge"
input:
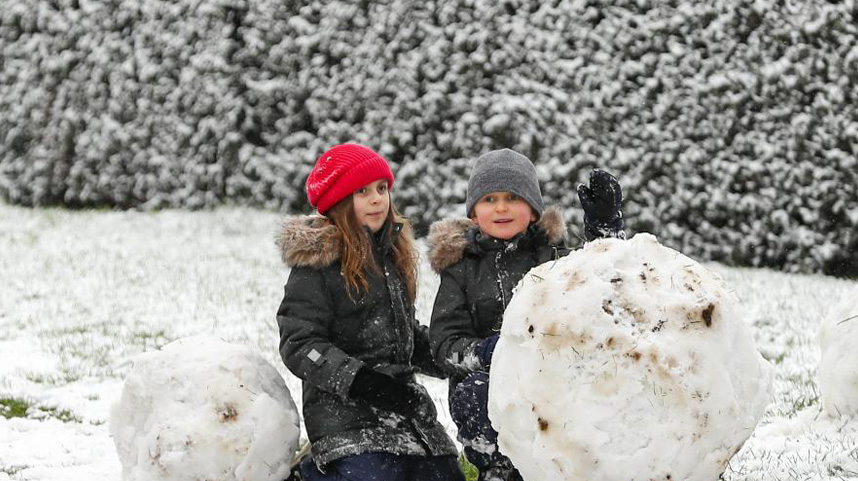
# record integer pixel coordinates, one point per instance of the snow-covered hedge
(732, 124)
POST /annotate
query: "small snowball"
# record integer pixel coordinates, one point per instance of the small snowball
(204, 409)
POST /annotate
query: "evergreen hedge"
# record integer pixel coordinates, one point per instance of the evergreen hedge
(732, 124)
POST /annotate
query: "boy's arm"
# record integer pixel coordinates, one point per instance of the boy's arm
(451, 332)
(304, 318)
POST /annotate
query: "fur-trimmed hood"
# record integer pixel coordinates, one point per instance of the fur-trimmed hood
(308, 241)
(313, 241)
(448, 238)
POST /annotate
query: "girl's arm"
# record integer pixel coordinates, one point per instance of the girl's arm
(304, 318)
(451, 331)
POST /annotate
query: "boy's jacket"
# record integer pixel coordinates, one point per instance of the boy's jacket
(478, 274)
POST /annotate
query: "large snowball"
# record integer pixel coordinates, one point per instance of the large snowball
(838, 365)
(203, 409)
(625, 361)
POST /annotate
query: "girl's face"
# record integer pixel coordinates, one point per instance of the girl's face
(372, 203)
(502, 215)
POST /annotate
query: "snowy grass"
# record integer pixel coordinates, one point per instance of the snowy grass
(84, 292)
(22, 408)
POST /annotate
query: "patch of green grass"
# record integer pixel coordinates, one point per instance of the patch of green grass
(772, 357)
(65, 377)
(13, 408)
(469, 469)
(63, 415)
(149, 335)
(20, 408)
(68, 331)
(13, 470)
(804, 402)
(154, 339)
(777, 358)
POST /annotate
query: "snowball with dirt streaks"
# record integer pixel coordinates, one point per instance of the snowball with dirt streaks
(838, 365)
(204, 409)
(625, 360)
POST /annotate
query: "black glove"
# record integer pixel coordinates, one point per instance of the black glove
(386, 393)
(485, 349)
(602, 203)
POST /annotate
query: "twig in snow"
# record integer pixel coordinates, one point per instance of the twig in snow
(848, 319)
(840, 429)
(248, 389)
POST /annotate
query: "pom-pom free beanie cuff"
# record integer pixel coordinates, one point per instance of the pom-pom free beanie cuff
(342, 170)
(504, 171)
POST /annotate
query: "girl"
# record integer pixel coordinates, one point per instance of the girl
(480, 260)
(347, 329)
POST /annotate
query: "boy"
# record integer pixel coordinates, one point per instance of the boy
(480, 260)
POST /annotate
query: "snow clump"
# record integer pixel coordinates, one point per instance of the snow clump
(625, 360)
(204, 409)
(838, 364)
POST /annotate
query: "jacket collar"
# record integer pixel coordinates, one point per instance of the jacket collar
(386, 237)
(313, 241)
(449, 239)
(480, 243)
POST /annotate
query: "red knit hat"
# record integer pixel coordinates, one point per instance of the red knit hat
(342, 170)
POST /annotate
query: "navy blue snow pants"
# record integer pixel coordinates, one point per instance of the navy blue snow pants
(469, 410)
(385, 467)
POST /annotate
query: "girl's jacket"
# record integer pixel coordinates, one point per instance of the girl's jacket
(328, 332)
(478, 274)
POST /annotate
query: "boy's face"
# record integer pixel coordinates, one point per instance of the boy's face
(502, 215)
(372, 202)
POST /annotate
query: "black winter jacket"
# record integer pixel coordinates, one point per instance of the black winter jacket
(327, 333)
(478, 275)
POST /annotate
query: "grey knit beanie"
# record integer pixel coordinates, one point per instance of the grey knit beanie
(504, 171)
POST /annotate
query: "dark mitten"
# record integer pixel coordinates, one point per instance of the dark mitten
(485, 349)
(386, 393)
(602, 203)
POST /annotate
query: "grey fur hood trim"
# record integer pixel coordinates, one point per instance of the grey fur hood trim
(308, 241)
(447, 238)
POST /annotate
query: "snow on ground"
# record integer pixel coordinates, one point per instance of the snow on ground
(84, 292)
(837, 375)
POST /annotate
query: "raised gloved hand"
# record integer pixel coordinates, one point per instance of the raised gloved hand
(386, 393)
(485, 349)
(602, 203)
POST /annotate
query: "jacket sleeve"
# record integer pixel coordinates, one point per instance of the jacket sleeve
(551, 253)
(452, 333)
(423, 358)
(304, 318)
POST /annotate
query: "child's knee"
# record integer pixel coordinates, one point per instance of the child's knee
(475, 386)
(470, 398)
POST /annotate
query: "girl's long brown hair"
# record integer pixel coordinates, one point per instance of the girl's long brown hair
(356, 257)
